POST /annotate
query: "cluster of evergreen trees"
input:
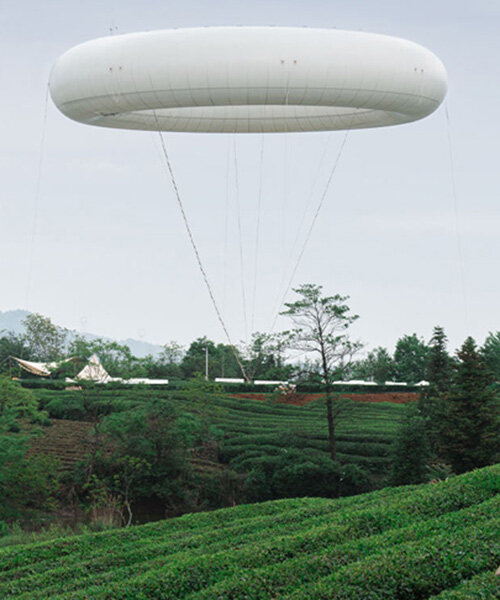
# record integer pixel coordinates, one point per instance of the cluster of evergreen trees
(455, 425)
(413, 359)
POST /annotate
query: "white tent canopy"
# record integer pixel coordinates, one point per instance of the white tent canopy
(40, 369)
(94, 371)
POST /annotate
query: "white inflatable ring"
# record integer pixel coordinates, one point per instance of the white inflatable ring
(248, 79)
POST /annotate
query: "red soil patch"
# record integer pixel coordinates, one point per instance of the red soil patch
(262, 397)
(303, 399)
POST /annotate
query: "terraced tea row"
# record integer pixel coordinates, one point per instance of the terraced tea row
(404, 543)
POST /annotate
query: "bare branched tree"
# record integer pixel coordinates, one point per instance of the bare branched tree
(321, 327)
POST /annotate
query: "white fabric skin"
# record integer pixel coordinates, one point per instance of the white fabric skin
(248, 79)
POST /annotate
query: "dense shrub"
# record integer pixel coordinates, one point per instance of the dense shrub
(306, 478)
(27, 482)
(293, 473)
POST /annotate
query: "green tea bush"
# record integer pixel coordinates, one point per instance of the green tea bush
(484, 586)
(408, 543)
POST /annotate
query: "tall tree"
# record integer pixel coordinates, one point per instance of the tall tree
(321, 326)
(45, 340)
(116, 358)
(410, 358)
(410, 450)
(150, 451)
(377, 366)
(469, 423)
(12, 344)
(221, 359)
(491, 353)
(193, 361)
(438, 371)
(227, 365)
(171, 353)
(438, 374)
(166, 363)
(265, 356)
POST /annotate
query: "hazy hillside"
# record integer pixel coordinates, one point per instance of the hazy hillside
(11, 320)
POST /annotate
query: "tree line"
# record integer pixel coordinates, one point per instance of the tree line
(267, 356)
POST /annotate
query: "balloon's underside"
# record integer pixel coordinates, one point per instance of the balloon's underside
(248, 80)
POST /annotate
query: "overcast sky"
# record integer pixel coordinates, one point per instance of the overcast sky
(101, 245)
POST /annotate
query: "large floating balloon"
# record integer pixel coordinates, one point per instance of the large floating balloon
(248, 79)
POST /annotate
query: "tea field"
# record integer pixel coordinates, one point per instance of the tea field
(250, 433)
(254, 432)
(436, 541)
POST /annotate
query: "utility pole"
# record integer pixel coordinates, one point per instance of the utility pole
(206, 363)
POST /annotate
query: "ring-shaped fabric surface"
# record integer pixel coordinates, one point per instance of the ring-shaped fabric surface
(248, 79)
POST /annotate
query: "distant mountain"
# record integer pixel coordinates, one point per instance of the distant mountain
(11, 320)
(140, 348)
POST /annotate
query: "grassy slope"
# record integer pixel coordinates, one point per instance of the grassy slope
(437, 540)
